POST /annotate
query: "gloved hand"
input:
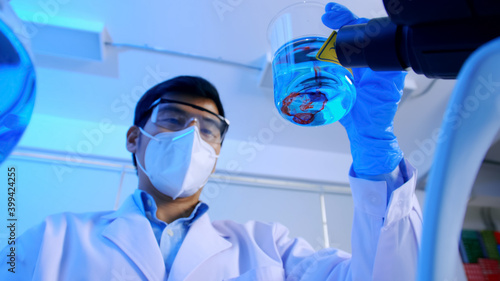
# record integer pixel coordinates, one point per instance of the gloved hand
(369, 124)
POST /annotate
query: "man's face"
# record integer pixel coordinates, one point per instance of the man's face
(137, 142)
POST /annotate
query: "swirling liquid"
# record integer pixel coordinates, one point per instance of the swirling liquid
(307, 91)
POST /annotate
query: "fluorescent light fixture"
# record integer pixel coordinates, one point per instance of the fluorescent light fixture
(66, 37)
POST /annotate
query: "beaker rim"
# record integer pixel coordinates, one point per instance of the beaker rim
(282, 11)
(295, 21)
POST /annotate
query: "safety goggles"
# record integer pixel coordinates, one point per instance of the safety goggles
(176, 115)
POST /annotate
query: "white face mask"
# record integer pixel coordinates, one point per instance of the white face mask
(178, 163)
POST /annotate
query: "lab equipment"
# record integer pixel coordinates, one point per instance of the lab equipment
(307, 91)
(434, 38)
(17, 86)
(369, 125)
(462, 145)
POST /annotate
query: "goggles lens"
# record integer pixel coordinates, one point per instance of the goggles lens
(176, 116)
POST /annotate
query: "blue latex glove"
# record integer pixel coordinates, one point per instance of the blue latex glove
(369, 124)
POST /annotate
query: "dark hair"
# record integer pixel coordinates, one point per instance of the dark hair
(190, 85)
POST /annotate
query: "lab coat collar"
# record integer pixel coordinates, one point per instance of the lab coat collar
(202, 242)
(131, 231)
(141, 198)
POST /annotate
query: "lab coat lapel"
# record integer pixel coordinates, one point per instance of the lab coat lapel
(202, 242)
(131, 231)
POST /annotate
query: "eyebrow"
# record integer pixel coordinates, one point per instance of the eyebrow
(160, 100)
(210, 120)
(174, 108)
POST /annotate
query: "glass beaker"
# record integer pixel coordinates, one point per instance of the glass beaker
(17, 86)
(307, 91)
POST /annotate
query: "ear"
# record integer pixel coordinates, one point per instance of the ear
(133, 134)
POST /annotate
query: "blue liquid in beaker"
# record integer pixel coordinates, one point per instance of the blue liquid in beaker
(307, 91)
(17, 87)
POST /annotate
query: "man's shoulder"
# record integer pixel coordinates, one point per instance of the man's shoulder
(78, 216)
(61, 225)
(65, 220)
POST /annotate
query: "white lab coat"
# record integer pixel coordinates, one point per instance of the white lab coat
(120, 245)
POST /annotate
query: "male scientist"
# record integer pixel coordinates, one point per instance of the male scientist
(163, 232)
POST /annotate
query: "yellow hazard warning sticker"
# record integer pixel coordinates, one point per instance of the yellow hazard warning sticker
(327, 51)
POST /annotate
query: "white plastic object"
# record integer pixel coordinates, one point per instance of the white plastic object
(469, 126)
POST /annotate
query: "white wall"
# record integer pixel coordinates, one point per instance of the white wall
(486, 189)
(485, 194)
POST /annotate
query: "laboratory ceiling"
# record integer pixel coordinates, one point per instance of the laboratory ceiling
(221, 40)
